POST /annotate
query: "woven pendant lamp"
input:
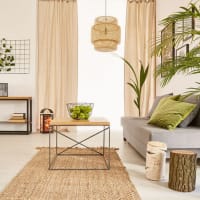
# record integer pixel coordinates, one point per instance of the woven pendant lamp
(105, 34)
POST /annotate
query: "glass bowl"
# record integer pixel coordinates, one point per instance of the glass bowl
(80, 111)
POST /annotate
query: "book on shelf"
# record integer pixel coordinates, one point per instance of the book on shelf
(22, 115)
(17, 120)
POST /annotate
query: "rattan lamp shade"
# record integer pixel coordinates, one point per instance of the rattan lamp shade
(105, 34)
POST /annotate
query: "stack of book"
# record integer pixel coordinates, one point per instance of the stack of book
(18, 117)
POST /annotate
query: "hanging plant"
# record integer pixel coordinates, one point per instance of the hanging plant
(6, 57)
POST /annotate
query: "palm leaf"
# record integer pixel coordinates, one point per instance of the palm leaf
(136, 103)
(134, 86)
(143, 74)
(190, 64)
(130, 66)
(186, 13)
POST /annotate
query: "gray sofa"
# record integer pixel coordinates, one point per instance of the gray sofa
(137, 132)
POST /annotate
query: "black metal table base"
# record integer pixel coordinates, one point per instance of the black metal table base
(63, 152)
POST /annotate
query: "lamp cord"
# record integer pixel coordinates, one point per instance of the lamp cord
(105, 8)
(105, 16)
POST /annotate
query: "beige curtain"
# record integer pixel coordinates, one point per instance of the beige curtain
(57, 55)
(140, 36)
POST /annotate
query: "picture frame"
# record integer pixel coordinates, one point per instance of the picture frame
(168, 51)
(182, 51)
(189, 24)
(3, 89)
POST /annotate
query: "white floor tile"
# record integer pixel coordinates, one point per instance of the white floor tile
(17, 150)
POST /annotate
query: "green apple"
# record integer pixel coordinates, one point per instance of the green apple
(76, 109)
(74, 115)
(82, 116)
(86, 115)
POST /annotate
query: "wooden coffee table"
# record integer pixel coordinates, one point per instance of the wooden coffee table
(102, 123)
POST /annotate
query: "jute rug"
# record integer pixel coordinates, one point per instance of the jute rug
(36, 182)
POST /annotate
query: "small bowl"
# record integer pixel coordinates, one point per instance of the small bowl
(80, 111)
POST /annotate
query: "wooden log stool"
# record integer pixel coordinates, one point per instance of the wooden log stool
(182, 170)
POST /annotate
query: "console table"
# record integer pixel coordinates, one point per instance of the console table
(28, 113)
(104, 128)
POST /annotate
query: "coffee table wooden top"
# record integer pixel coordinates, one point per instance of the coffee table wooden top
(95, 121)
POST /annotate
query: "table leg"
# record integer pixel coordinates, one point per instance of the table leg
(56, 140)
(107, 161)
(103, 139)
(49, 150)
(109, 147)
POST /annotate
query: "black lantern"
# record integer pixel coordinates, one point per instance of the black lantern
(46, 115)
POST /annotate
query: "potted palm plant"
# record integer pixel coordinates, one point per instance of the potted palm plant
(190, 63)
(136, 84)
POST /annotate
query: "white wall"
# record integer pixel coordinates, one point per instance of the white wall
(180, 82)
(18, 22)
(101, 75)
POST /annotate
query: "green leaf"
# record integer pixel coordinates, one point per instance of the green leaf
(135, 87)
(7, 51)
(136, 103)
(130, 66)
(142, 75)
(12, 58)
(136, 84)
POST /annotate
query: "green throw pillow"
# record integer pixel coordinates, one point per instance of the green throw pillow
(169, 113)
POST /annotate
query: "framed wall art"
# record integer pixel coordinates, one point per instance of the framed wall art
(182, 51)
(3, 89)
(188, 24)
(167, 42)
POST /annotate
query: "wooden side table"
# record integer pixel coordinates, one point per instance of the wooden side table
(182, 170)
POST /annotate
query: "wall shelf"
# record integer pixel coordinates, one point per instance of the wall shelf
(17, 121)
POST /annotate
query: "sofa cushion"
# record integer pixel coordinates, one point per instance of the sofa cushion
(155, 103)
(194, 100)
(169, 113)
